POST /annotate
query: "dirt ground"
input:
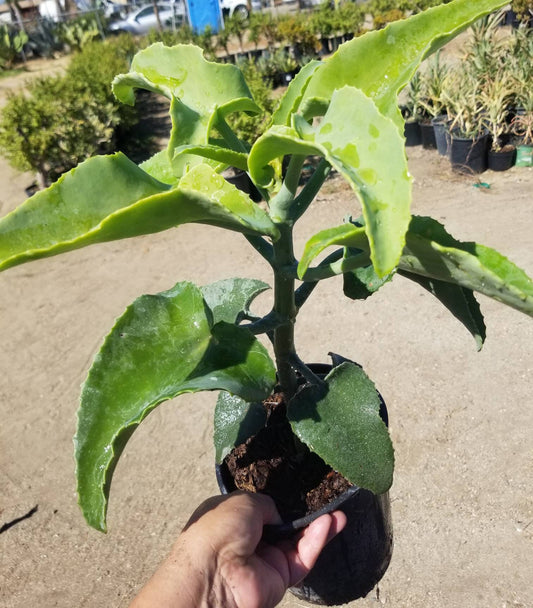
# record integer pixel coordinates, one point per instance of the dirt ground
(461, 421)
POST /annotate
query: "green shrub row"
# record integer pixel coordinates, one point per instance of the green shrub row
(59, 121)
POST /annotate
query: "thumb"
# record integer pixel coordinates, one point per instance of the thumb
(313, 540)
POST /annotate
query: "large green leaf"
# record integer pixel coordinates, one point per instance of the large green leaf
(367, 149)
(458, 300)
(162, 346)
(341, 423)
(200, 92)
(290, 100)
(235, 421)
(382, 62)
(431, 252)
(109, 197)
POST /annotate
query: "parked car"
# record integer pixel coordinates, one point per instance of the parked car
(143, 19)
(238, 7)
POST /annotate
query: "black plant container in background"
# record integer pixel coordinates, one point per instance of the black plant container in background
(469, 155)
(442, 134)
(501, 160)
(352, 564)
(413, 134)
(428, 136)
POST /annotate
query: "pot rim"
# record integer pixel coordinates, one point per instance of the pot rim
(287, 529)
(276, 532)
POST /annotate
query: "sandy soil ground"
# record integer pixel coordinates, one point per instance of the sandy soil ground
(461, 421)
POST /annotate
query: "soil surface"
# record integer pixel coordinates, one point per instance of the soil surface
(276, 463)
(461, 421)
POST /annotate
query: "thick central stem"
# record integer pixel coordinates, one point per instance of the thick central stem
(285, 307)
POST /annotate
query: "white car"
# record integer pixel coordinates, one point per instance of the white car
(143, 19)
(238, 7)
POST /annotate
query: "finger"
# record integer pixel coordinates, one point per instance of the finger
(338, 524)
(267, 508)
(313, 540)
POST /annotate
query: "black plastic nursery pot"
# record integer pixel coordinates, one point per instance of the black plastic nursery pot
(442, 134)
(413, 134)
(356, 559)
(428, 136)
(501, 160)
(469, 155)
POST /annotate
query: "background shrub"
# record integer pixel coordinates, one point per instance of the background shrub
(60, 121)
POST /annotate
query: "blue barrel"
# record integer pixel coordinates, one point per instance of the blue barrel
(203, 13)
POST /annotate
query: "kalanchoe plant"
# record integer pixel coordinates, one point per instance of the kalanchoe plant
(343, 110)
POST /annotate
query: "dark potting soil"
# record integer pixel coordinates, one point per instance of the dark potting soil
(277, 463)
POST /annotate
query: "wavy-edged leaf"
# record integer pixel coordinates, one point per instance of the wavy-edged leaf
(200, 91)
(216, 153)
(367, 149)
(341, 423)
(345, 235)
(161, 347)
(431, 252)
(458, 300)
(229, 299)
(72, 212)
(226, 205)
(159, 167)
(109, 197)
(235, 421)
(364, 63)
(277, 142)
(290, 100)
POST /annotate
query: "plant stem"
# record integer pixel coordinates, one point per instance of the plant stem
(285, 309)
(281, 206)
(311, 189)
(263, 247)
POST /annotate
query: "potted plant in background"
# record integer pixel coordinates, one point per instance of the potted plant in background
(343, 110)
(522, 127)
(521, 68)
(433, 106)
(412, 111)
(468, 136)
(495, 98)
(521, 13)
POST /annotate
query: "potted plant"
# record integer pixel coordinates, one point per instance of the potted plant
(521, 68)
(521, 12)
(412, 112)
(468, 136)
(432, 104)
(192, 338)
(522, 126)
(495, 97)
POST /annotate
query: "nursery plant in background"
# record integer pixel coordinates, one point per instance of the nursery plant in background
(344, 111)
(432, 104)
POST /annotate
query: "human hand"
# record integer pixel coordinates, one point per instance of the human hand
(220, 561)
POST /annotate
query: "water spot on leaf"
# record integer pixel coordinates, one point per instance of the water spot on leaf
(373, 131)
(350, 155)
(369, 176)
